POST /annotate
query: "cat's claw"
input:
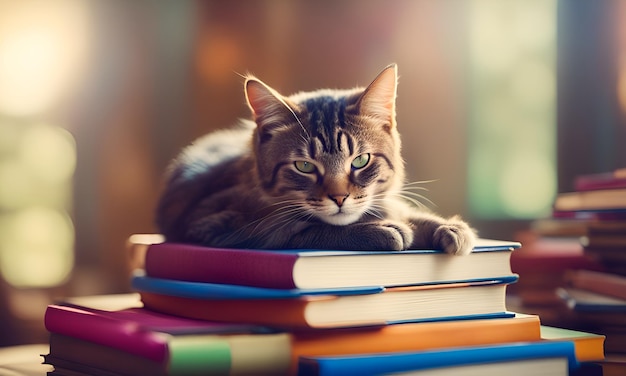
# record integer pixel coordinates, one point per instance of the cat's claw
(455, 237)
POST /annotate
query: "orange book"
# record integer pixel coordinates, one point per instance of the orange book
(588, 347)
(415, 337)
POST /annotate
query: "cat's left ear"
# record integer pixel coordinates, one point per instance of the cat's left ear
(379, 98)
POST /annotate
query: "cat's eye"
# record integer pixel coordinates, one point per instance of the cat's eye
(361, 161)
(305, 167)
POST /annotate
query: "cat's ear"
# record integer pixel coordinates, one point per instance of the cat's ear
(379, 98)
(267, 105)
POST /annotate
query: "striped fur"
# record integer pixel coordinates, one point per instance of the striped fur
(319, 169)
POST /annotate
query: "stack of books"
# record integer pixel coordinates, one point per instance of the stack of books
(597, 298)
(200, 310)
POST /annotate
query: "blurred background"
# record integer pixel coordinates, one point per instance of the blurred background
(501, 102)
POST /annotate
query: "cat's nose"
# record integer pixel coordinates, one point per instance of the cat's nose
(339, 199)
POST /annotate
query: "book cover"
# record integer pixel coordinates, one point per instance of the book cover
(591, 215)
(587, 301)
(588, 347)
(603, 180)
(242, 354)
(302, 310)
(548, 255)
(93, 358)
(137, 331)
(288, 269)
(451, 359)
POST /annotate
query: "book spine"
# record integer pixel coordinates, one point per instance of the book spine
(225, 266)
(118, 334)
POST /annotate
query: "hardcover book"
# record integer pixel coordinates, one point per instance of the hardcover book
(310, 269)
(588, 347)
(605, 180)
(606, 199)
(530, 358)
(321, 309)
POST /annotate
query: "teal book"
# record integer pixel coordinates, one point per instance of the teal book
(523, 359)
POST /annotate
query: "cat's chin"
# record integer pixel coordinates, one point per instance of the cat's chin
(341, 219)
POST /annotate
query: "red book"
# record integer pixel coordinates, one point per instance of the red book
(314, 269)
(552, 256)
(601, 283)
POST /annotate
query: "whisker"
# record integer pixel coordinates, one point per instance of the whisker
(421, 182)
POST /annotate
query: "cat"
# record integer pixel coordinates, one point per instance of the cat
(317, 169)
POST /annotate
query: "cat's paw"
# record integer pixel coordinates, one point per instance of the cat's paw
(455, 237)
(403, 234)
(387, 236)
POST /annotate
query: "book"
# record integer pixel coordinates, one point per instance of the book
(588, 346)
(315, 309)
(74, 341)
(530, 358)
(548, 255)
(164, 340)
(606, 227)
(591, 215)
(288, 269)
(591, 200)
(603, 180)
(587, 301)
(242, 354)
(602, 283)
(615, 341)
(542, 264)
(597, 241)
(614, 365)
(602, 313)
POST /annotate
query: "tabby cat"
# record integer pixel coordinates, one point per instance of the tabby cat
(319, 169)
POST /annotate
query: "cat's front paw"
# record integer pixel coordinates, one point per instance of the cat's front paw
(455, 237)
(386, 236)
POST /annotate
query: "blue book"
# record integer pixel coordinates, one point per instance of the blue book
(326, 308)
(524, 359)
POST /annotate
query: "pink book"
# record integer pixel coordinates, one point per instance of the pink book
(137, 331)
(606, 180)
(315, 269)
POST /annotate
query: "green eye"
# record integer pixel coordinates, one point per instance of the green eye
(361, 161)
(304, 166)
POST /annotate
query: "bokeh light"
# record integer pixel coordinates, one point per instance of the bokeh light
(512, 97)
(43, 46)
(36, 247)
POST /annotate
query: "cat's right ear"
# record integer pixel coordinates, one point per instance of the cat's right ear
(267, 105)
